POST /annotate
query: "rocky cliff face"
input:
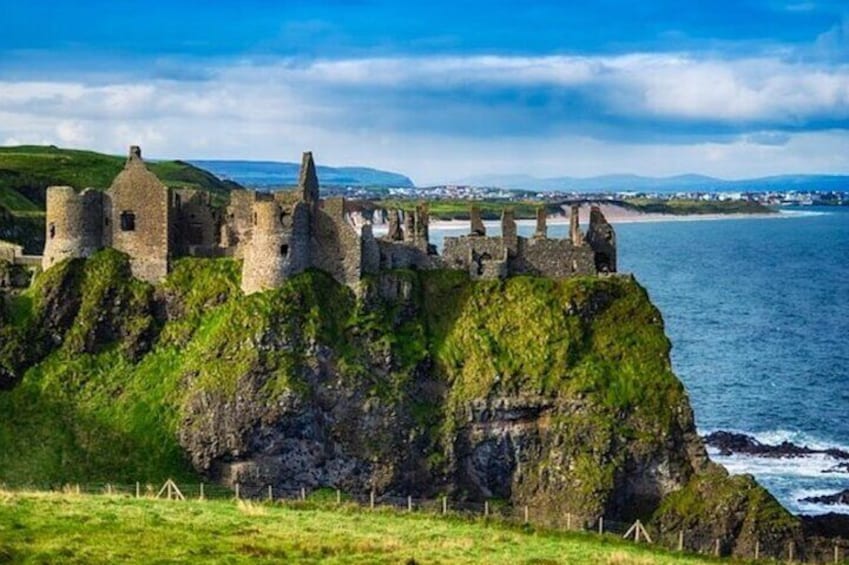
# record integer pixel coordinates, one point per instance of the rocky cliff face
(557, 394)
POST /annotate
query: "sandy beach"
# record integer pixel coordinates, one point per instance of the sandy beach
(620, 215)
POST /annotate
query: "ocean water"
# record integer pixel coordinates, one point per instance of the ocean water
(757, 310)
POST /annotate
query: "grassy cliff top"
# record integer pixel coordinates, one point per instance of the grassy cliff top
(27, 170)
(105, 529)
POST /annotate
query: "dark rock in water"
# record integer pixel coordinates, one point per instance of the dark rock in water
(841, 497)
(839, 468)
(831, 525)
(731, 442)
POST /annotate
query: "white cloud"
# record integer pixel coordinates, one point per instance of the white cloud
(432, 117)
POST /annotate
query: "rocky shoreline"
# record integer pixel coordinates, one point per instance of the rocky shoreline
(729, 443)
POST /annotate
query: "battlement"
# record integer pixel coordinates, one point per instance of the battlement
(281, 234)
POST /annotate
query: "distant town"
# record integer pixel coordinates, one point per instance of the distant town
(465, 192)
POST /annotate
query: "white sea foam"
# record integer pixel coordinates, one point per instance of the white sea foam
(812, 466)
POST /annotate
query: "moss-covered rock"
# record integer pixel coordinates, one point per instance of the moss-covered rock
(733, 510)
(557, 394)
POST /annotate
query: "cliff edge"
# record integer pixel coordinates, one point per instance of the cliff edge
(556, 394)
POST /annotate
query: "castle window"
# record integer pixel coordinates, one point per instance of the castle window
(254, 218)
(128, 221)
(52, 230)
(284, 250)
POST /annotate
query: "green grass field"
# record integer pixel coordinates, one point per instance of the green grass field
(68, 528)
(26, 171)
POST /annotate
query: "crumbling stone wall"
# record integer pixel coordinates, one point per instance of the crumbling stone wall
(335, 245)
(197, 224)
(237, 225)
(140, 218)
(556, 258)
(602, 239)
(73, 224)
(511, 254)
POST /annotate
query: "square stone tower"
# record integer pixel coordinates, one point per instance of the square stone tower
(138, 218)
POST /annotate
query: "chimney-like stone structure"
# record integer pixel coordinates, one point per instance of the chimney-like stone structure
(542, 227)
(308, 180)
(395, 232)
(422, 224)
(575, 226)
(476, 223)
(135, 154)
(509, 235)
(602, 240)
(409, 233)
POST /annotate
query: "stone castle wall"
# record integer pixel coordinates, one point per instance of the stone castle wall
(74, 223)
(197, 224)
(281, 234)
(140, 219)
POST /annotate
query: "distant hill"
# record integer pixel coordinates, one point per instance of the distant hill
(680, 183)
(26, 171)
(274, 173)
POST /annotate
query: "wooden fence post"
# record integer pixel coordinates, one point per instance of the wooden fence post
(201, 491)
(681, 540)
(486, 509)
(601, 524)
(371, 500)
(270, 493)
(526, 514)
(409, 503)
(138, 490)
(237, 491)
(716, 548)
(791, 551)
(568, 520)
(338, 496)
(757, 549)
(836, 554)
(303, 493)
(444, 505)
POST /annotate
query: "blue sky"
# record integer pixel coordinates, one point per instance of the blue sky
(439, 90)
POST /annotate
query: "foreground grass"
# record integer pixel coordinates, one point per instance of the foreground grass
(53, 527)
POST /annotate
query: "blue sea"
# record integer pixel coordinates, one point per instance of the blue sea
(758, 313)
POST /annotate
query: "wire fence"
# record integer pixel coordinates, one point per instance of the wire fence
(810, 551)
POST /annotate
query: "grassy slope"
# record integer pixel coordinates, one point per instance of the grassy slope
(26, 171)
(101, 529)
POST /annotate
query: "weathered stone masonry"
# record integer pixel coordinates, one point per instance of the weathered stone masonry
(280, 234)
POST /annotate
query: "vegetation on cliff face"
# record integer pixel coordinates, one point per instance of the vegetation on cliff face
(423, 380)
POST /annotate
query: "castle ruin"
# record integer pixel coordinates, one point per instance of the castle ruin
(280, 234)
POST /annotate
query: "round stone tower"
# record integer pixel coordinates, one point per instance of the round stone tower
(73, 222)
(265, 254)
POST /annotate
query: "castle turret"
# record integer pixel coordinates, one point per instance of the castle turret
(265, 254)
(73, 223)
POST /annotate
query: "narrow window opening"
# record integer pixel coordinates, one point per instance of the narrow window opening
(284, 250)
(52, 230)
(128, 221)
